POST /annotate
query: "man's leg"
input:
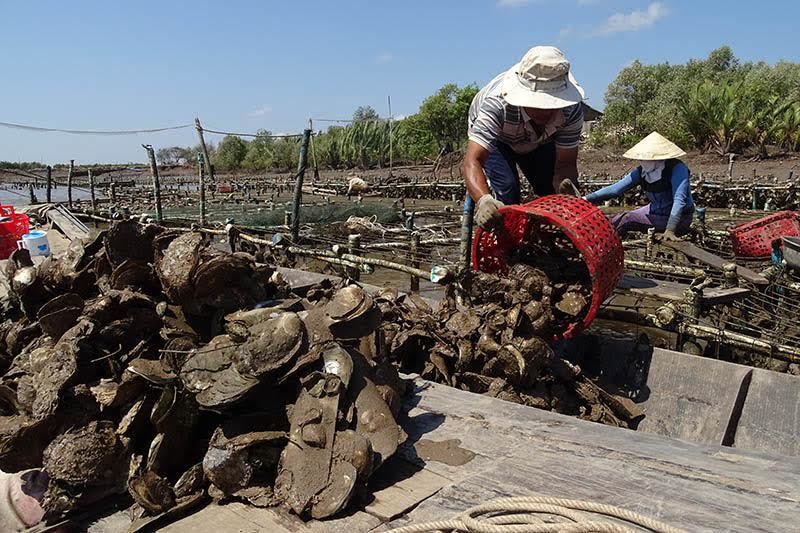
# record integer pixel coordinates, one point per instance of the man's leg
(501, 171)
(539, 167)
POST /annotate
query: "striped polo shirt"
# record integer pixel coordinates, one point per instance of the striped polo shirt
(492, 119)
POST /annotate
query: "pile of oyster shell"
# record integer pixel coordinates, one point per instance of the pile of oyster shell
(487, 336)
(151, 364)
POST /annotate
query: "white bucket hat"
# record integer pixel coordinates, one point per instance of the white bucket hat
(654, 147)
(542, 80)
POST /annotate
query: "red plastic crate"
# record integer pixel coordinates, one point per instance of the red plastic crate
(754, 238)
(12, 229)
(586, 227)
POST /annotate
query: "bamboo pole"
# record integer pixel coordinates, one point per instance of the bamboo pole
(298, 184)
(49, 185)
(323, 254)
(69, 182)
(663, 268)
(32, 194)
(151, 156)
(780, 351)
(199, 129)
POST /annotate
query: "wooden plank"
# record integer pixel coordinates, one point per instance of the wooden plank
(689, 397)
(698, 487)
(243, 518)
(673, 291)
(401, 487)
(770, 419)
(695, 252)
(68, 224)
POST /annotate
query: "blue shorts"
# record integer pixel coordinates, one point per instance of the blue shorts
(538, 166)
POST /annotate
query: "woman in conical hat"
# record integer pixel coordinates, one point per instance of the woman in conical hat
(665, 181)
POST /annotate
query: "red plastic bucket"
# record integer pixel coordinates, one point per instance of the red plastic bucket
(588, 229)
(12, 227)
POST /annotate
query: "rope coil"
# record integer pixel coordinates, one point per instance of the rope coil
(526, 514)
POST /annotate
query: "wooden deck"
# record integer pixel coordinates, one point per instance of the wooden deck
(519, 450)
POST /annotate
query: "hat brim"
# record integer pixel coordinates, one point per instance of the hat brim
(515, 93)
(653, 155)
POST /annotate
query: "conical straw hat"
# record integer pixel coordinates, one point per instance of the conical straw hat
(654, 147)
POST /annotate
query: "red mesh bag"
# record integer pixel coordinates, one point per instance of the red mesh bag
(588, 229)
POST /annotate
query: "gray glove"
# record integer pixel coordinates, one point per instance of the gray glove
(486, 211)
(569, 188)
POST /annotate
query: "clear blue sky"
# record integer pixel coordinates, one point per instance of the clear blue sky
(250, 64)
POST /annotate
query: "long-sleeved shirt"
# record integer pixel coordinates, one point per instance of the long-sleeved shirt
(675, 203)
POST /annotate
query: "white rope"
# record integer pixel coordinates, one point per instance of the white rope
(526, 514)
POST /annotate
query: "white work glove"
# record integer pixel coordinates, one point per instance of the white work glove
(486, 211)
(20, 494)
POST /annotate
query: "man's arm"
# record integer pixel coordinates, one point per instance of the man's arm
(474, 177)
(566, 166)
(486, 206)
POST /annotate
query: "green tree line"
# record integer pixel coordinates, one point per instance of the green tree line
(717, 104)
(438, 127)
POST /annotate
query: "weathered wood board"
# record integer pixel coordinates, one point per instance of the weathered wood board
(697, 487)
(691, 398)
(770, 418)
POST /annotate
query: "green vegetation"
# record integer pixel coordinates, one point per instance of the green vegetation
(440, 126)
(717, 104)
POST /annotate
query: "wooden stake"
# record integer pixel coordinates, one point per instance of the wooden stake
(49, 185)
(156, 182)
(32, 194)
(313, 151)
(205, 150)
(391, 159)
(202, 185)
(69, 182)
(354, 247)
(91, 192)
(413, 249)
(298, 185)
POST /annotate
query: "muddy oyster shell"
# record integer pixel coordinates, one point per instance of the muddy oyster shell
(175, 267)
(352, 313)
(90, 455)
(209, 372)
(272, 345)
(128, 239)
(232, 460)
(60, 314)
(152, 492)
(133, 274)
